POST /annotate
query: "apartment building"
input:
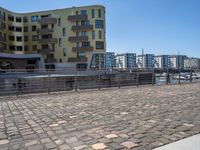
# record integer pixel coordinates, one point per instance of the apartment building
(110, 60)
(71, 37)
(177, 61)
(145, 61)
(126, 61)
(193, 63)
(161, 61)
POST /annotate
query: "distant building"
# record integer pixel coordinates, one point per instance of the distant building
(145, 61)
(161, 61)
(109, 60)
(192, 63)
(126, 61)
(177, 61)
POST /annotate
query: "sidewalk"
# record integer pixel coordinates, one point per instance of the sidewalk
(191, 143)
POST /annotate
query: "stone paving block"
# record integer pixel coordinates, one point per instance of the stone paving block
(99, 146)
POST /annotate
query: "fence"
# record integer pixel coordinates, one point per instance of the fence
(16, 82)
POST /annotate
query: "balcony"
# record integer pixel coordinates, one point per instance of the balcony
(78, 38)
(2, 17)
(44, 31)
(2, 39)
(78, 49)
(48, 41)
(45, 51)
(47, 21)
(77, 59)
(74, 18)
(82, 28)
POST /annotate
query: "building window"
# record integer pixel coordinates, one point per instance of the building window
(99, 45)
(85, 44)
(12, 38)
(19, 48)
(93, 35)
(18, 19)
(25, 38)
(80, 54)
(34, 48)
(19, 39)
(77, 12)
(60, 42)
(34, 37)
(99, 24)
(11, 28)
(34, 28)
(60, 60)
(34, 18)
(25, 19)
(18, 29)
(77, 33)
(84, 33)
(100, 35)
(64, 51)
(64, 32)
(93, 13)
(99, 13)
(12, 48)
(59, 22)
(85, 23)
(11, 18)
(25, 29)
(26, 48)
(83, 12)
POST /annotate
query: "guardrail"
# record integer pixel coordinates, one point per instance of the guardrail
(20, 81)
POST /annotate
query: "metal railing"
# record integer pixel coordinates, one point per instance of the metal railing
(20, 81)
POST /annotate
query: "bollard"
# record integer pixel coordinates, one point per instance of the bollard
(137, 78)
(153, 77)
(190, 75)
(48, 81)
(99, 81)
(179, 76)
(76, 85)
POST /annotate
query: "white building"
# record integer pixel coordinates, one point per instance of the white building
(177, 61)
(192, 63)
(161, 61)
(145, 61)
(126, 61)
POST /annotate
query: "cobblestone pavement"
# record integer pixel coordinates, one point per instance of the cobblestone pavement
(130, 118)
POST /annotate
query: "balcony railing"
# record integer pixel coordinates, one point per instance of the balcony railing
(45, 31)
(82, 28)
(77, 59)
(48, 41)
(78, 49)
(74, 18)
(78, 38)
(45, 51)
(49, 20)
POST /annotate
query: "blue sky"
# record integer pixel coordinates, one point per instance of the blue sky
(158, 26)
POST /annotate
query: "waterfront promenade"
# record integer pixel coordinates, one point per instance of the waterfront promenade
(140, 118)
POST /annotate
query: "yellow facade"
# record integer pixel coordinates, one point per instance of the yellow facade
(64, 37)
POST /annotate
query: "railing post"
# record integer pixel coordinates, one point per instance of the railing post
(48, 81)
(76, 86)
(119, 81)
(190, 75)
(137, 79)
(153, 76)
(179, 76)
(99, 77)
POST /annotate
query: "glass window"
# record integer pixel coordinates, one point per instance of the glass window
(93, 35)
(99, 24)
(34, 38)
(60, 42)
(64, 32)
(18, 29)
(84, 33)
(59, 22)
(99, 13)
(25, 19)
(26, 48)
(85, 44)
(18, 19)
(34, 48)
(93, 13)
(19, 39)
(83, 12)
(19, 48)
(25, 29)
(80, 54)
(64, 51)
(34, 28)
(100, 36)
(11, 18)
(34, 18)
(12, 47)
(99, 45)
(12, 38)
(25, 38)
